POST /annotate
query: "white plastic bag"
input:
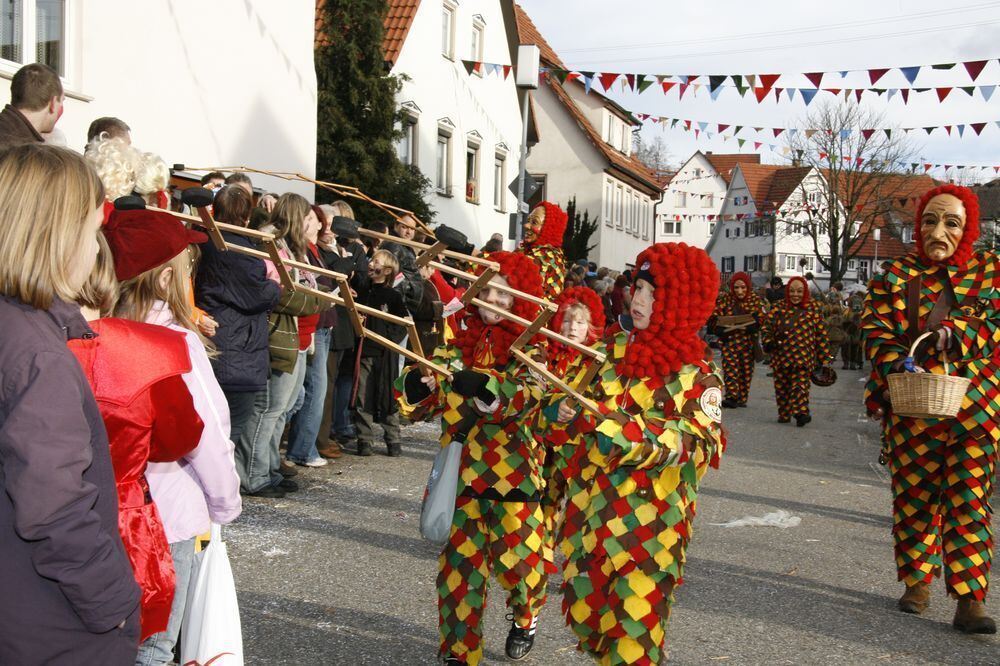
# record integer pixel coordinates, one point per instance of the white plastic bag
(438, 509)
(211, 632)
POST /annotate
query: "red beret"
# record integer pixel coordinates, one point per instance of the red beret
(143, 239)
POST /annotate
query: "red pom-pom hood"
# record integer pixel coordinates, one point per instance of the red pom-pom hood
(554, 226)
(686, 284)
(590, 300)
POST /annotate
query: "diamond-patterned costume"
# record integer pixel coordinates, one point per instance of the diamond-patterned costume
(738, 345)
(498, 525)
(796, 338)
(551, 264)
(628, 519)
(942, 469)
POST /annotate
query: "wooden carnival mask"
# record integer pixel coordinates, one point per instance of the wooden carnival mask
(942, 226)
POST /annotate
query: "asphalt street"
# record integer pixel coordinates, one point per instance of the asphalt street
(338, 574)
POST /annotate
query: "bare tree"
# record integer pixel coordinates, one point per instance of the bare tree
(654, 154)
(862, 165)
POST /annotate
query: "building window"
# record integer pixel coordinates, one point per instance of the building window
(478, 38)
(448, 30)
(789, 262)
(707, 200)
(609, 194)
(907, 234)
(499, 181)
(645, 220)
(852, 264)
(864, 269)
(619, 212)
(407, 147)
(672, 228)
(33, 31)
(810, 264)
(813, 197)
(472, 172)
(442, 179)
(728, 264)
(736, 232)
(680, 199)
(697, 173)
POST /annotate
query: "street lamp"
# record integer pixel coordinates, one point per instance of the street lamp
(526, 78)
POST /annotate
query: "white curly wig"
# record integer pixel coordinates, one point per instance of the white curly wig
(115, 162)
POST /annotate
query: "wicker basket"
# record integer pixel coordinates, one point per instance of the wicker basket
(926, 395)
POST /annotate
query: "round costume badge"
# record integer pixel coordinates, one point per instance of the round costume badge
(711, 403)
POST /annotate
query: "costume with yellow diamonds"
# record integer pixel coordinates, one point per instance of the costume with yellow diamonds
(941, 468)
(631, 505)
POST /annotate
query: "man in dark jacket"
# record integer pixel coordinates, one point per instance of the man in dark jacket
(36, 103)
(234, 290)
(69, 595)
(412, 286)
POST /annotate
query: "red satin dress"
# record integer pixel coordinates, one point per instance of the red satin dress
(135, 372)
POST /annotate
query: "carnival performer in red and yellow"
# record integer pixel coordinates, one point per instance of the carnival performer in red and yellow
(942, 469)
(794, 334)
(580, 318)
(147, 409)
(498, 525)
(629, 521)
(738, 341)
(543, 240)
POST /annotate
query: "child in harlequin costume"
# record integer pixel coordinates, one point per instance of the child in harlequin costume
(795, 335)
(942, 469)
(737, 343)
(629, 520)
(147, 408)
(498, 526)
(543, 239)
(580, 318)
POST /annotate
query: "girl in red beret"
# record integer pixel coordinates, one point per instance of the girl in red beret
(629, 520)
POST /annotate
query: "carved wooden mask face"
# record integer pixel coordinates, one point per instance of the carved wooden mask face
(942, 226)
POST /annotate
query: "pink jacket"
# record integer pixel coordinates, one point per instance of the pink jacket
(202, 487)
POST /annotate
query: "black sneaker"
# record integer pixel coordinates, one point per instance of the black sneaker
(520, 641)
(287, 486)
(802, 419)
(270, 492)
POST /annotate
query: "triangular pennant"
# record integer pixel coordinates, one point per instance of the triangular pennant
(751, 80)
(740, 142)
(809, 133)
(845, 134)
(791, 94)
(572, 76)
(702, 125)
(673, 123)
(588, 81)
(858, 94)
(696, 133)
(892, 93)
(970, 90)
(815, 78)
(683, 89)
(777, 94)
(878, 91)
(682, 78)
(858, 161)
(888, 133)
(722, 128)
(835, 91)
(741, 88)
(947, 166)
(948, 129)
(914, 165)
(768, 80)
(757, 145)
(737, 130)
(469, 65)
(987, 92)
(905, 92)
(929, 129)
(910, 73)
(975, 67)
(777, 131)
(875, 74)
(808, 94)
(961, 131)
(844, 73)
(714, 94)
(822, 155)
(761, 93)
(867, 133)
(716, 80)
(642, 83)
(630, 80)
(667, 85)
(977, 127)
(607, 80)
(687, 124)
(944, 65)
(942, 93)
(506, 71)
(927, 167)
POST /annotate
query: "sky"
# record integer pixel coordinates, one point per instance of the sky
(789, 37)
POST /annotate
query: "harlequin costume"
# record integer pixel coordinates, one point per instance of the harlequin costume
(498, 525)
(795, 335)
(150, 417)
(738, 345)
(560, 443)
(942, 469)
(629, 518)
(546, 249)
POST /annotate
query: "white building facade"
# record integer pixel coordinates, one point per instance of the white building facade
(462, 130)
(225, 83)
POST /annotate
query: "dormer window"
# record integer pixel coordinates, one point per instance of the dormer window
(477, 49)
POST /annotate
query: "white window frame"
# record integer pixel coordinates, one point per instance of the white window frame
(477, 47)
(500, 179)
(619, 212)
(72, 44)
(442, 174)
(645, 219)
(473, 146)
(791, 262)
(906, 234)
(448, 15)
(680, 199)
(609, 203)
(707, 199)
(728, 264)
(411, 132)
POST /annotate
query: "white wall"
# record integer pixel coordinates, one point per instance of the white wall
(694, 215)
(441, 88)
(222, 83)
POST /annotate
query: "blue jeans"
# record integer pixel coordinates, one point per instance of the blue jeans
(343, 425)
(258, 460)
(158, 649)
(305, 426)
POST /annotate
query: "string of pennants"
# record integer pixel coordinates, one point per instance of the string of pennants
(702, 126)
(761, 86)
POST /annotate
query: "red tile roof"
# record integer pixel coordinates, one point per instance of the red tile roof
(771, 184)
(629, 167)
(397, 22)
(724, 163)
(529, 34)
